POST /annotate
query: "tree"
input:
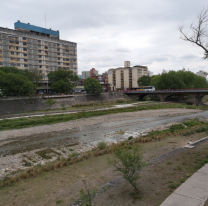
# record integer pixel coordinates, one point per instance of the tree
(92, 86)
(144, 81)
(62, 80)
(199, 30)
(34, 76)
(16, 84)
(128, 161)
(181, 79)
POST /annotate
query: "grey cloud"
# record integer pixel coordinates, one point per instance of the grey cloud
(124, 50)
(110, 32)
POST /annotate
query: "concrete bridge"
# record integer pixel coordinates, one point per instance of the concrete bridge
(179, 95)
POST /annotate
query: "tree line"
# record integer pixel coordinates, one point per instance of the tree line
(17, 82)
(181, 79)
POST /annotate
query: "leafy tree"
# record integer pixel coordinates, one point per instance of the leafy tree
(34, 76)
(13, 70)
(92, 86)
(181, 79)
(62, 80)
(144, 81)
(16, 84)
(128, 161)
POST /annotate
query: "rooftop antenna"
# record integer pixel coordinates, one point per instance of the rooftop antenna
(45, 20)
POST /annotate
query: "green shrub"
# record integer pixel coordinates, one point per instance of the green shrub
(120, 101)
(129, 138)
(50, 102)
(176, 127)
(192, 123)
(101, 145)
(128, 161)
(148, 99)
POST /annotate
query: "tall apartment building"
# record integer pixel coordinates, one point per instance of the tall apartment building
(126, 77)
(31, 47)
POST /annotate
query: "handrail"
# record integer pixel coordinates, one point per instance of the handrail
(168, 90)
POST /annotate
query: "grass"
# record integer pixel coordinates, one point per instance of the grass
(7, 124)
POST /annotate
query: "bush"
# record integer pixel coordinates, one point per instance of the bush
(101, 145)
(50, 102)
(129, 138)
(148, 99)
(120, 101)
(176, 127)
(128, 161)
(192, 123)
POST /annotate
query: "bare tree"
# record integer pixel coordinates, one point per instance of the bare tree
(199, 30)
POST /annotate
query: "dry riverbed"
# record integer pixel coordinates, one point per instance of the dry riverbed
(24, 159)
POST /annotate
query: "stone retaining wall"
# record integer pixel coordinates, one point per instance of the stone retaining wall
(9, 106)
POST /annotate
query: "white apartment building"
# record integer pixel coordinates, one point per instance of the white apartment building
(126, 77)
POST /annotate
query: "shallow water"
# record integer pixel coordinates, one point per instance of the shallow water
(109, 132)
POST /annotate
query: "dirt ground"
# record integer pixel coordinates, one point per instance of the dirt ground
(62, 186)
(92, 121)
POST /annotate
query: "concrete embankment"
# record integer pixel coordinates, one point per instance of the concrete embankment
(18, 105)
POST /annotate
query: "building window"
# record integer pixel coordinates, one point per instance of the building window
(40, 56)
(12, 53)
(25, 65)
(39, 41)
(46, 47)
(59, 63)
(24, 49)
(40, 66)
(25, 60)
(40, 61)
(24, 38)
(24, 43)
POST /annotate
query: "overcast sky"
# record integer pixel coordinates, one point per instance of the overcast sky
(109, 32)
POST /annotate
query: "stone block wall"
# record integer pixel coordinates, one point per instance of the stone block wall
(18, 105)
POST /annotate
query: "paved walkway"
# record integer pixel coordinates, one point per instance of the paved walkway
(194, 192)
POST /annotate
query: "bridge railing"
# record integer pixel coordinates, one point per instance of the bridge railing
(167, 90)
